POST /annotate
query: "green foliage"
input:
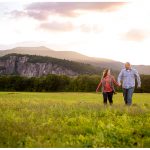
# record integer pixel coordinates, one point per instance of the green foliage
(85, 83)
(72, 120)
(54, 83)
(48, 83)
(145, 80)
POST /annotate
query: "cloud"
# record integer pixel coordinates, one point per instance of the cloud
(18, 14)
(34, 14)
(95, 28)
(135, 35)
(68, 26)
(42, 10)
(57, 26)
(38, 15)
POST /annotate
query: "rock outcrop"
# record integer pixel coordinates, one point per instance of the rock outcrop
(19, 65)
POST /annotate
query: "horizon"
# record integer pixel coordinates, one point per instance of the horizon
(111, 30)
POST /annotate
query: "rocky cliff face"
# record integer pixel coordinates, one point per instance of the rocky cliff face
(19, 65)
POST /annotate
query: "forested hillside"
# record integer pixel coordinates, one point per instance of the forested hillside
(33, 66)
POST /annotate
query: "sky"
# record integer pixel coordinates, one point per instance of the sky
(113, 30)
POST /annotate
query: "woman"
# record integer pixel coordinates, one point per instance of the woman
(107, 82)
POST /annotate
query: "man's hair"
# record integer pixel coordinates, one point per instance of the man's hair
(128, 63)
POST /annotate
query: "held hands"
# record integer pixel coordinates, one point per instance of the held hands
(119, 84)
(139, 86)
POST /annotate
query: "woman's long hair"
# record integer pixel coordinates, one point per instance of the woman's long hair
(105, 72)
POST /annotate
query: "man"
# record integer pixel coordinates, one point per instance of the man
(127, 77)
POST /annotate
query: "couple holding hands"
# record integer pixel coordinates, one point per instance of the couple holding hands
(126, 78)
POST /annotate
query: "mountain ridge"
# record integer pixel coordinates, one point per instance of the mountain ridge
(74, 56)
(44, 48)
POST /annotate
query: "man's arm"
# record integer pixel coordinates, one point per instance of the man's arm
(120, 77)
(138, 78)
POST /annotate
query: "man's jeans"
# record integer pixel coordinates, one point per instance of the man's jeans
(127, 94)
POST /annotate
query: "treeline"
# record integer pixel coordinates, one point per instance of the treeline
(49, 83)
(60, 83)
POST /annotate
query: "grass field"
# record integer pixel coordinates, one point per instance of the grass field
(73, 120)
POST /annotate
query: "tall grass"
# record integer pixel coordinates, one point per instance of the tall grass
(73, 120)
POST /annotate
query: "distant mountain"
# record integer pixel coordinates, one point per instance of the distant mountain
(71, 55)
(35, 66)
(142, 69)
(43, 51)
(24, 44)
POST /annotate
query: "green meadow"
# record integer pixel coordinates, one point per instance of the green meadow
(73, 120)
